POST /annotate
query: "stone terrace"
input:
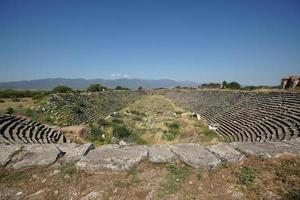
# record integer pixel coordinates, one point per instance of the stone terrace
(90, 106)
(245, 116)
(121, 158)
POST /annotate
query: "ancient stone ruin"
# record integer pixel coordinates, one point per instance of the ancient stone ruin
(290, 81)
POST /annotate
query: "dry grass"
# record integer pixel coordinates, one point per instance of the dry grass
(16, 104)
(278, 177)
(152, 117)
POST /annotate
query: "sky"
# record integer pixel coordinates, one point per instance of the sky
(253, 42)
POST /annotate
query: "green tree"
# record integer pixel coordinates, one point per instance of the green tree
(9, 111)
(233, 85)
(96, 88)
(62, 89)
(121, 88)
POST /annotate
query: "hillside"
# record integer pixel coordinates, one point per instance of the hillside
(81, 83)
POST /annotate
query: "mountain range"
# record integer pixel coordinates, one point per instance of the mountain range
(80, 83)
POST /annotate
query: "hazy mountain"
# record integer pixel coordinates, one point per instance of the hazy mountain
(84, 83)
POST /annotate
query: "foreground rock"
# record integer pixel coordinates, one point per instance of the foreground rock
(35, 155)
(74, 152)
(7, 153)
(195, 155)
(226, 152)
(113, 158)
(267, 150)
(25, 156)
(161, 154)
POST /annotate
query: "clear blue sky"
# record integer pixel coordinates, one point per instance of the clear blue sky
(253, 42)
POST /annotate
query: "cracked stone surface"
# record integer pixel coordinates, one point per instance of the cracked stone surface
(75, 152)
(267, 150)
(35, 155)
(7, 152)
(113, 158)
(226, 152)
(195, 155)
(161, 154)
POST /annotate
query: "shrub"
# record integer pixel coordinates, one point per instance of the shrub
(169, 135)
(76, 109)
(96, 88)
(95, 134)
(9, 111)
(37, 96)
(62, 89)
(175, 177)
(15, 99)
(117, 121)
(102, 123)
(121, 88)
(247, 176)
(233, 85)
(81, 104)
(121, 132)
(173, 125)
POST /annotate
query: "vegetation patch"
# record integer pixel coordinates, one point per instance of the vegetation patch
(247, 176)
(10, 178)
(175, 177)
(9, 111)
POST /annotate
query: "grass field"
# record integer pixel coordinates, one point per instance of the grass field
(153, 119)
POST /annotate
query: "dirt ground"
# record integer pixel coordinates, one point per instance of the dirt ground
(254, 178)
(16, 104)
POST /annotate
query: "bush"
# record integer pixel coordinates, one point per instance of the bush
(117, 121)
(81, 104)
(121, 132)
(62, 89)
(121, 88)
(76, 109)
(37, 96)
(96, 88)
(169, 135)
(9, 111)
(102, 123)
(173, 125)
(232, 85)
(95, 134)
(15, 99)
(247, 176)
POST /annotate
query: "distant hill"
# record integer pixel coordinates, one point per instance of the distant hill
(80, 83)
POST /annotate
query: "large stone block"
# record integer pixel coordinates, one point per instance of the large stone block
(161, 154)
(226, 152)
(195, 155)
(113, 158)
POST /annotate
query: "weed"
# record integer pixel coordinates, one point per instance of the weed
(247, 176)
(137, 113)
(199, 176)
(169, 135)
(117, 121)
(175, 177)
(95, 134)
(173, 125)
(9, 111)
(11, 178)
(69, 169)
(76, 109)
(15, 99)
